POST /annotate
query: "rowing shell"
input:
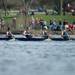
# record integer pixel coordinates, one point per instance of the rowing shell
(61, 39)
(24, 39)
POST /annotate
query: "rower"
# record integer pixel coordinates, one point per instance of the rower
(45, 34)
(27, 34)
(8, 33)
(65, 35)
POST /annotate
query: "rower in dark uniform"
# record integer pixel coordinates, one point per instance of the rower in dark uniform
(27, 34)
(45, 34)
(65, 35)
(8, 33)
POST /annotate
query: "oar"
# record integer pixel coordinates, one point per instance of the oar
(13, 37)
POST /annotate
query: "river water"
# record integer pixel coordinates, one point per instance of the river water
(37, 58)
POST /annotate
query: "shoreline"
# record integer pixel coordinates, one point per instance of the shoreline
(35, 31)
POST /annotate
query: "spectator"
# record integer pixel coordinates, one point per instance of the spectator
(50, 24)
(33, 22)
(54, 25)
(45, 25)
(37, 26)
(2, 23)
(71, 27)
(41, 23)
(14, 22)
(59, 26)
(66, 26)
(62, 26)
(65, 23)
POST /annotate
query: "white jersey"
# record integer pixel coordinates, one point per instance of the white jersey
(8, 33)
(24, 33)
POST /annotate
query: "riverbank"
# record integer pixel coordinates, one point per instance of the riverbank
(23, 21)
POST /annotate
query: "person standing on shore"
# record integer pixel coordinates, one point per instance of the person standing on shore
(41, 22)
(45, 33)
(14, 22)
(33, 22)
(2, 23)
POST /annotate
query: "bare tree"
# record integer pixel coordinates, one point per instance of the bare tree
(4, 4)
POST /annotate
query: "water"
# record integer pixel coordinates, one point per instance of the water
(37, 58)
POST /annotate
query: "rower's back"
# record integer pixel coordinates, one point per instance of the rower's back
(45, 34)
(65, 35)
(27, 34)
(8, 33)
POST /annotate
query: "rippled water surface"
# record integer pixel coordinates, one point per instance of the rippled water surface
(37, 58)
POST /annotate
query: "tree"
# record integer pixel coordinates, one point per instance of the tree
(4, 4)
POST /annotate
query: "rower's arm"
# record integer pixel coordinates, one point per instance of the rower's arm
(24, 33)
(7, 33)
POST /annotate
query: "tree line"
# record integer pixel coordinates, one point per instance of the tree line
(16, 4)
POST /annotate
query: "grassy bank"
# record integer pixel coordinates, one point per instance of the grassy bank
(20, 20)
(69, 18)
